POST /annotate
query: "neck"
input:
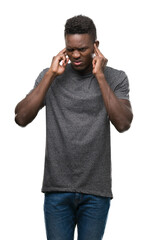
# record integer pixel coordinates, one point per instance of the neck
(86, 71)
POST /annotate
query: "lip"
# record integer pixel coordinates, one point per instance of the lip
(77, 63)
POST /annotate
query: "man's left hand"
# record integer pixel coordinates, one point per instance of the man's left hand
(99, 61)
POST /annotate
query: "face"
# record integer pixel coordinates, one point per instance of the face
(80, 49)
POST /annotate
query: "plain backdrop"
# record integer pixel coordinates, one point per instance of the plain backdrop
(32, 32)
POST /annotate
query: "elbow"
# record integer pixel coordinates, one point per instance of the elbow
(23, 118)
(124, 126)
(20, 120)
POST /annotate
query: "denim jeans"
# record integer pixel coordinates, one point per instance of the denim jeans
(64, 210)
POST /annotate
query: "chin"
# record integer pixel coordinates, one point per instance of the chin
(83, 69)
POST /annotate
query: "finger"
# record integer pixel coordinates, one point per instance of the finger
(105, 63)
(62, 52)
(97, 51)
(62, 59)
(67, 60)
(94, 61)
(64, 63)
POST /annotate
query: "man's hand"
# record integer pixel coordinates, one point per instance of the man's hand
(27, 109)
(59, 63)
(99, 61)
(119, 110)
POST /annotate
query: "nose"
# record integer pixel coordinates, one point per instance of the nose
(76, 54)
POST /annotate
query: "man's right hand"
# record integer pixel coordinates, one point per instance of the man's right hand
(59, 63)
(27, 109)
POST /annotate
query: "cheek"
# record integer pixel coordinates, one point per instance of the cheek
(89, 53)
(89, 56)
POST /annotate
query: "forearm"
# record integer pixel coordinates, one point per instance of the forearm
(120, 114)
(27, 109)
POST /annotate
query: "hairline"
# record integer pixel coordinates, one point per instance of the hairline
(91, 35)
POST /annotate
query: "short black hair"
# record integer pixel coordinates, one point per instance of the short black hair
(80, 24)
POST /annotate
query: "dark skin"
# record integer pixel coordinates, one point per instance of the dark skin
(119, 110)
(80, 50)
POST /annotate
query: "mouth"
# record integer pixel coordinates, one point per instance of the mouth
(77, 63)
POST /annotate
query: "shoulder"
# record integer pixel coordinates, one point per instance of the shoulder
(40, 76)
(115, 76)
(42, 73)
(112, 72)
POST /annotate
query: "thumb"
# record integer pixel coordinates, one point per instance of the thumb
(65, 62)
(94, 62)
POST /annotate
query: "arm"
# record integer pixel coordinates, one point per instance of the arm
(119, 110)
(28, 108)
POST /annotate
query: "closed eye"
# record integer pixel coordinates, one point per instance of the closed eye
(69, 50)
(79, 49)
(82, 49)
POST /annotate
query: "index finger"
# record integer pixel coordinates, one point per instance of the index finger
(62, 52)
(97, 51)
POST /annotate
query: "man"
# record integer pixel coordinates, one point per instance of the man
(81, 98)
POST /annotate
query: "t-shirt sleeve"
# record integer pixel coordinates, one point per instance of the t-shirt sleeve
(38, 80)
(122, 88)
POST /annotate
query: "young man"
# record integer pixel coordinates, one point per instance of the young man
(81, 98)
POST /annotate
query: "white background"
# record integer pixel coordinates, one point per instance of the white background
(31, 34)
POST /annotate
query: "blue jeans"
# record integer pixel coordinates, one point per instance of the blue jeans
(63, 211)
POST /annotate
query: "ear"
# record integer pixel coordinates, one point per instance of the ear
(97, 43)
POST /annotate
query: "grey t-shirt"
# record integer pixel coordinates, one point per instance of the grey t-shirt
(77, 156)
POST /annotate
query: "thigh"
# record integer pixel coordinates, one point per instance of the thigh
(92, 216)
(60, 217)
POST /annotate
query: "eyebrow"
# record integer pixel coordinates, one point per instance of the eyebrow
(71, 48)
